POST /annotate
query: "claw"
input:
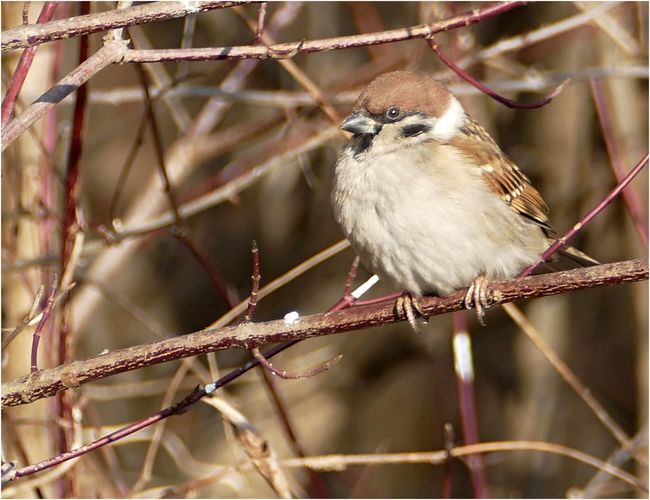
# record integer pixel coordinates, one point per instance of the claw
(408, 304)
(480, 297)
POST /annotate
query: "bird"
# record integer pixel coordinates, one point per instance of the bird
(428, 200)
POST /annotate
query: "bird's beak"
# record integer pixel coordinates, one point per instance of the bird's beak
(358, 123)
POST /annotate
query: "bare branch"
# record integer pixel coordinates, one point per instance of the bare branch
(292, 49)
(255, 286)
(46, 383)
(110, 53)
(573, 381)
(25, 62)
(339, 462)
(287, 375)
(630, 197)
(30, 35)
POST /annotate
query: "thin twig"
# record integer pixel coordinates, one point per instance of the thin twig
(31, 35)
(448, 439)
(352, 273)
(252, 304)
(261, 15)
(596, 484)
(163, 81)
(152, 449)
(299, 76)
(292, 49)
(25, 14)
(27, 319)
(280, 406)
(226, 192)
(292, 98)
(630, 196)
(214, 110)
(285, 374)
(611, 27)
(110, 52)
(216, 276)
(486, 90)
(39, 328)
(24, 63)
(287, 277)
(159, 149)
(71, 237)
(570, 378)
(589, 216)
(255, 280)
(189, 27)
(318, 488)
(529, 38)
(338, 462)
(125, 171)
(464, 372)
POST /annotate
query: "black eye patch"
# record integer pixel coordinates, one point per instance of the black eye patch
(415, 129)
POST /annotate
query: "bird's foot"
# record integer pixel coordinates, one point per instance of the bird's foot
(408, 304)
(479, 296)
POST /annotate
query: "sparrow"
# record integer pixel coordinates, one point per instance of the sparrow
(428, 200)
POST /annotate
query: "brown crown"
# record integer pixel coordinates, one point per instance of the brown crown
(410, 91)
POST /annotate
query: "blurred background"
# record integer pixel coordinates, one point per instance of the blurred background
(394, 390)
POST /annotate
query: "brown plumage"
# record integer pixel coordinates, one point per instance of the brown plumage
(411, 92)
(502, 175)
(427, 198)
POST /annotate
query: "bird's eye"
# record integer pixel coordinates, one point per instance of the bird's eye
(393, 113)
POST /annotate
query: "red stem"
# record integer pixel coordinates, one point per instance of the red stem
(39, 328)
(486, 90)
(630, 197)
(70, 226)
(24, 63)
(561, 242)
(467, 404)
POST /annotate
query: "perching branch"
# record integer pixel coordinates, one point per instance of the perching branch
(46, 383)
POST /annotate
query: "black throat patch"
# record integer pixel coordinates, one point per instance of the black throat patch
(360, 143)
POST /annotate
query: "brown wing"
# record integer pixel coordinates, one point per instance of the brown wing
(502, 175)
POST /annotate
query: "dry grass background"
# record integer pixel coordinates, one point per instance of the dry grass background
(394, 390)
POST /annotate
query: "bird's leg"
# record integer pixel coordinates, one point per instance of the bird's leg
(479, 296)
(408, 304)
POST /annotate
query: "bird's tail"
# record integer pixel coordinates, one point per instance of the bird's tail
(567, 258)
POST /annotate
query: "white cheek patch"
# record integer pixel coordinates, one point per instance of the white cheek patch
(450, 122)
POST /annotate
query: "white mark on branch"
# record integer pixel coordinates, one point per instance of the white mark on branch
(292, 317)
(463, 364)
